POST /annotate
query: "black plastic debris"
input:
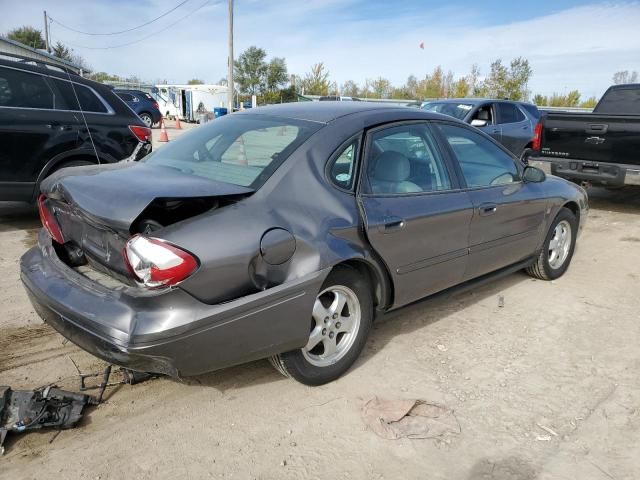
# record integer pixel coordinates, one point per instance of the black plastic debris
(51, 407)
(46, 407)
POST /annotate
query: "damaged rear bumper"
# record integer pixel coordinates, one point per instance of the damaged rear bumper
(167, 332)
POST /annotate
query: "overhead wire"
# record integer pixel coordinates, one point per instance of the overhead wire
(147, 36)
(121, 31)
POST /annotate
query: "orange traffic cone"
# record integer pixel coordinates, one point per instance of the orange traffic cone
(163, 132)
(178, 126)
(242, 154)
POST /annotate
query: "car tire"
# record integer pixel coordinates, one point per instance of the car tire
(146, 118)
(557, 250)
(337, 333)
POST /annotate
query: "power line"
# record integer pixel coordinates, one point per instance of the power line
(121, 31)
(150, 35)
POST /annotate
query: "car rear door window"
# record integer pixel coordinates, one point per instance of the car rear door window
(482, 162)
(342, 170)
(72, 93)
(509, 113)
(405, 159)
(127, 97)
(24, 90)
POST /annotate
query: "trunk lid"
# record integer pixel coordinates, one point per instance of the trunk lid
(98, 208)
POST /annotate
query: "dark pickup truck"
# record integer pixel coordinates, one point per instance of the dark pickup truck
(602, 147)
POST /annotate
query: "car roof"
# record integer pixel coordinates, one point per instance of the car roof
(476, 101)
(56, 72)
(324, 112)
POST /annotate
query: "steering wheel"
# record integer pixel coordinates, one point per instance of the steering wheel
(502, 179)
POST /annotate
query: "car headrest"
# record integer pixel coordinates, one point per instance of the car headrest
(391, 166)
(483, 115)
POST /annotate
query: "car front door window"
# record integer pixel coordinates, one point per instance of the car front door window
(483, 163)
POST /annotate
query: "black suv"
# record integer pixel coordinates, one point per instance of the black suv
(51, 119)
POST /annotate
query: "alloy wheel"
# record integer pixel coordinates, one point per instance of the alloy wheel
(560, 244)
(335, 322)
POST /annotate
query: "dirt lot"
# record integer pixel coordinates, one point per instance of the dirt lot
(562, 355)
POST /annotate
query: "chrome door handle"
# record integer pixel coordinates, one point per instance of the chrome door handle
(487, 209)
(393, 224)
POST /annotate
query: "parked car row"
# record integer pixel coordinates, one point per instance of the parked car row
(51, 119)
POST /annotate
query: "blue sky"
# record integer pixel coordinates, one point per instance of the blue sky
(569, 44)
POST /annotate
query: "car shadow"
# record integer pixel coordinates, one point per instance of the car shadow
(621, 200)
(400, 322)
(423, 313)
(236, 378)
(18, 216)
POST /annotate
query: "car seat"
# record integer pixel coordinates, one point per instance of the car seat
(390, 173)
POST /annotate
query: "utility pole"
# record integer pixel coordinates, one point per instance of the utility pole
(230, 66)
(46, 32)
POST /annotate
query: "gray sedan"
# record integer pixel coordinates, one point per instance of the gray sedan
(279, 232)
(510, 123)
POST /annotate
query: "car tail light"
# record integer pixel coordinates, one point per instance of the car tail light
(155, 263)
(142, 133)
(537, 137)
(49, 222)
(155, 104)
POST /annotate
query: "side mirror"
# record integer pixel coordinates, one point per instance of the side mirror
(476, 122)
(533, 175)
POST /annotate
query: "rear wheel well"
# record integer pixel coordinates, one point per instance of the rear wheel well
(381, 287)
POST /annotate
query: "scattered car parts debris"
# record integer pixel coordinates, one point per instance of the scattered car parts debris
(52, 407)
(416, 419)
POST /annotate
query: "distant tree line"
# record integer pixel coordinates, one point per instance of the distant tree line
(270, 81)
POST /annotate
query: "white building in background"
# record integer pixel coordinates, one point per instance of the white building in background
(189, 101)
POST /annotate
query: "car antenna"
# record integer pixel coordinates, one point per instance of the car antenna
(84, 119)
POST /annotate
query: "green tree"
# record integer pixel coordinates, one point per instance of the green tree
(433, 85)
(573, 98)
(540, 100)
(461, 88)
(28, 36)
(316, 82)
(411, 86)
(509, 82)
(195, 81)
(250, 70)
(381, 87)
(590, 102)
(349, 89)
(276, 74)
(104, 77)
(60, 51)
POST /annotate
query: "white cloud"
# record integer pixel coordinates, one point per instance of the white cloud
(576, 48)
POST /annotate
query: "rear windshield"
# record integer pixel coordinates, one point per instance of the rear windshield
(620, 101)
(243, 149)
(456, 110)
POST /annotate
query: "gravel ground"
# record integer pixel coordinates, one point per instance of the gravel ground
(545, 387)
